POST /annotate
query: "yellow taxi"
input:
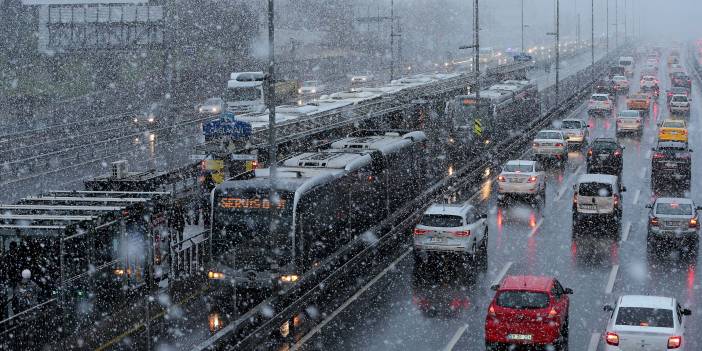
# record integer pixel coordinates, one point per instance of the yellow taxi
(673, 130)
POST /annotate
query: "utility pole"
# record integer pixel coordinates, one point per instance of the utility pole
(625, 24)
(616, 23)
(476, 55)
(392, 39)
(272, 147)
(592, 39)
(557, 34)
(523, 26)
(607, 26)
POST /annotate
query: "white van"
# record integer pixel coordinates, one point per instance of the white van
(597, 197)
(628, 63)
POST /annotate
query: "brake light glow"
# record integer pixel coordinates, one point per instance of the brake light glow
(694, 223)
(552, 313)
(536, 144)
(616, 200)
(653, 221)
(418, 231)
(613, 339)
(589, 152)
(575, 198)
(531, 179)
(658, 155)
(559, 145)
(501, 178)
(674, 342)
(617, 153)
(491, 311)
(462, 233)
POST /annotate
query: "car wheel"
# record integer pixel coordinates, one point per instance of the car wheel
(489, 346)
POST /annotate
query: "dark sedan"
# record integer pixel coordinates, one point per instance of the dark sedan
(605, 156)
(671, 160)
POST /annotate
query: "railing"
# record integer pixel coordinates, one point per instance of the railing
(189, 256)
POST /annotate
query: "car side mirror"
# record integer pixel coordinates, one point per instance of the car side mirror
(495, 287)
(649, 205)
(698, 208)
(483, 216)
(608, 308)
(568, 291)
(653, 149)
(689, 150)
(623, 189)
(622, 147)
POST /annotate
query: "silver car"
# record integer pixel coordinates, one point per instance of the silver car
(674, 220)
(629, 121)
(576, 131)
(451, 228)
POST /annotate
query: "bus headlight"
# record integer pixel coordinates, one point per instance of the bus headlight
(289, 278)
(215, 275)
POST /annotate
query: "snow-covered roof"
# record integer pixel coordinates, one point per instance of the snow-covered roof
(646, 301)
(521, 162)
(676, 200)
(448, 209)
(597, 178)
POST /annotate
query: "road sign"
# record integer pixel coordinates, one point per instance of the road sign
(243, 157)
(477, 127)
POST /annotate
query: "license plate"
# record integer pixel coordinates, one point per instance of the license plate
(516, 180)
(519, 337)
(670, 164)
(603, 155)
(587, 207)
(437, 240)
(672, 132)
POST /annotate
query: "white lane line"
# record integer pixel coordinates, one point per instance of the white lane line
(636, 196)
(502, 273)
(642, 173)
(353, 298)
(455, 337)
(648, 154)
(566, 184)
(612, 278)
(625, 232)
(536, 228)
(594, 342)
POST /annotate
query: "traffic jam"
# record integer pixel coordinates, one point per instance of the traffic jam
(588, 241)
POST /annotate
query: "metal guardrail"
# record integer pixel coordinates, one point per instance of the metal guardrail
(252, 328)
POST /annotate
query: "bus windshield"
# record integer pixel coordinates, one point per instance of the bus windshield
(245, 224)
(243, 94)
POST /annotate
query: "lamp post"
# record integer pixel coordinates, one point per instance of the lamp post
(557, 34)
(592, 39)
(476, 56)
(272, 147)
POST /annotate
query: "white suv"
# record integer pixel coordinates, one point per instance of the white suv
(642, 322)
(521, 178)
(550, 144)
(597, 197)
(680, 103)
(451, 228)
(600, 103)
(576, 131)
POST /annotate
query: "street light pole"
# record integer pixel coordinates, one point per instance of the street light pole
(607, 27)
(625, 23)
(592, 39)
(616, 23)
(558, 46)
(522, 25)
(272, 147)
(476, 43)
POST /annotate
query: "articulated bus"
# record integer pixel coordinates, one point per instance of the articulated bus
(323, 201)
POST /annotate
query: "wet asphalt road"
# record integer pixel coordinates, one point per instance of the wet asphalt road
(599, 265)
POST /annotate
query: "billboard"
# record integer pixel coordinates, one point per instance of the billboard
(81, 2)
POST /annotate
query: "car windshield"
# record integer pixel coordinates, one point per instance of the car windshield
(619, 78)
(595, 189)
(629, 113)
(440, 220)
(212, 101)
(518, 168)
(639, 97)
(310, 83)
(522, 300)
(599, 97)
(548, 135)
(604, 145)
(679, 91)
(673, 124)
(674, 209)
(679, 98)
(571, 125)
(645, 317)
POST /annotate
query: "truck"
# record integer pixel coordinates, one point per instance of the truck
(226, 126)
(245, 92)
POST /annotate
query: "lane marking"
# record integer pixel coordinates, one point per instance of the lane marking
(456, 337)
(536, 228)
(348, 302)
(594, 342)
(566, 184)
(612, 278)
(636, 196)
(502, 273)
(627, 229)
(642, 173)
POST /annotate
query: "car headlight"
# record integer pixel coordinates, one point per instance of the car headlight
(201, 110)
(313, 91)
(289, 278)
(299, 91)
(151, 120)
(215, 275)
(215, 109)
(136, 120)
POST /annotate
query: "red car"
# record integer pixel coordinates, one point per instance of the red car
(528, 310)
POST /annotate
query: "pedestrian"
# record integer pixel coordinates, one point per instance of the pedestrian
(26, 292)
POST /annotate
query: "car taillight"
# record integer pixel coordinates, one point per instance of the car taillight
(658, 155)
(461, 233)
(616, 200)
(674, 342)
(613, 339)
(531, 179)
(694, 223)
(418, 231)
(501, 178)
(535, 144)
(552, 313)
(589, 152)
(559, 145)
(575, 198)
(653, 221)
(491, 311)
(617, 153)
